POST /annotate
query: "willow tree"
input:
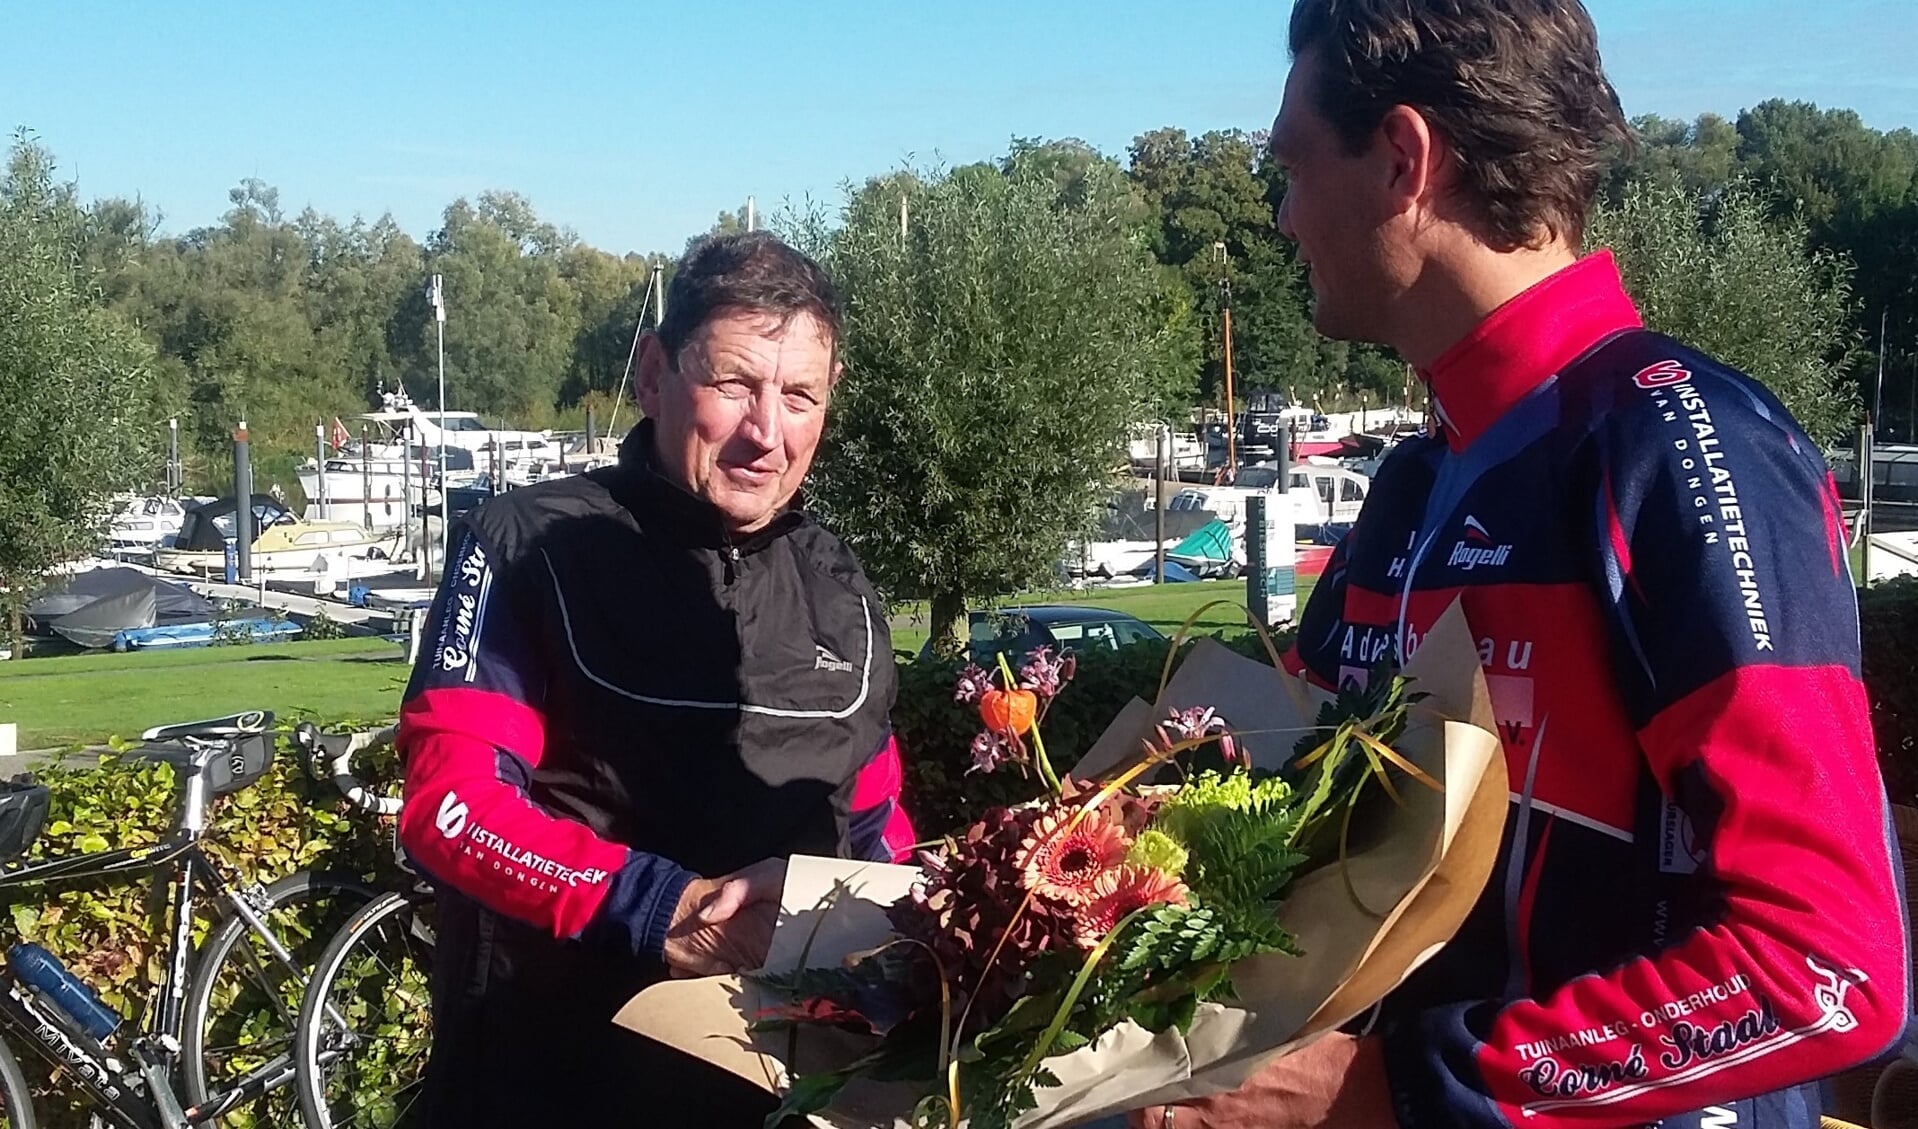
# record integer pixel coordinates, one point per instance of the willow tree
(1004, 327)
(1717, 271)
(76, 418)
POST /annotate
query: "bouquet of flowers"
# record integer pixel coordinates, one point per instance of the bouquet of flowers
(1041, 927)
(1191, 900)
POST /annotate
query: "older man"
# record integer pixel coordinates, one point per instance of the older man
(643, 688)
(1698, 910)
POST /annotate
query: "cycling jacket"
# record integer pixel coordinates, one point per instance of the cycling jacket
(1699, 899)
(614, 696)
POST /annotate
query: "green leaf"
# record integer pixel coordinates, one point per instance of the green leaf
(810, 1093)
(25, 918)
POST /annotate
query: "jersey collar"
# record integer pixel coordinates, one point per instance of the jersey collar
(1524, 342)
(638, 485)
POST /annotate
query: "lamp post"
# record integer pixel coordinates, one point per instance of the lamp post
(438, 297)
(1225, 313)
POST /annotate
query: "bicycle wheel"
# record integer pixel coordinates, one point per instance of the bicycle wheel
(367, 1024)
(243, 1001)
(16, 1105)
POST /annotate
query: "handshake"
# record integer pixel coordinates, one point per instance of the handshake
(725, 925)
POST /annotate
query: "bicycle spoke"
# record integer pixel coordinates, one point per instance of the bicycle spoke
(400, 1117)
(373, 1058)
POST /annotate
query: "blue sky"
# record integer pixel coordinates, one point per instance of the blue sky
(635, 123)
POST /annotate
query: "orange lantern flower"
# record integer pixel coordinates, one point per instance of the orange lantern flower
(1010, 712)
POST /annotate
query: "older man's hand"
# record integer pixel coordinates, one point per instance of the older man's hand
(1337, 1082)
(725, 925)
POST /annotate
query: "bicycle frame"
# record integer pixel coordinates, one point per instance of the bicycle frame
(144, 1098)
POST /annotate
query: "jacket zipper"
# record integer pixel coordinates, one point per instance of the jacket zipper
(732, 563)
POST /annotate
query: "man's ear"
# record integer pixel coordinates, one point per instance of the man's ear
(653, 370)
(1415, 154)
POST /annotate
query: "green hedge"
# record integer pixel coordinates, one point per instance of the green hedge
(1888, 624)
(105, 932)
(935, 732)
(109, 932)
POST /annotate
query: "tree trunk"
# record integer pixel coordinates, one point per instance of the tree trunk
(16, 633)
(949, 629)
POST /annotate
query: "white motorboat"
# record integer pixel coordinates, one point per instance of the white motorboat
(382, 485)
(396, 469)
(466, 431)
(282, 542)
(1185, 452)
(141, 525)
(1317, 492)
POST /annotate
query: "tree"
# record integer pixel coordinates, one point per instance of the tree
(1701, 156)
(1219, 188)
(1857, 189)
(611, 292)
(994, 358)
(1725, 277)
(75, 385)
(1854, 188)
(511, 318)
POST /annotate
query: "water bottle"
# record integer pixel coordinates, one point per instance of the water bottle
(40, 969)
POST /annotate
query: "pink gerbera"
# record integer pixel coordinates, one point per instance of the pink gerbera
(1119, 892)
(1062, 860)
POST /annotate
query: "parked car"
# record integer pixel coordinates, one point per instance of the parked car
(1016, 631)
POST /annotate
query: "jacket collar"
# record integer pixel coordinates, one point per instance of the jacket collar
(663, 503)
(1524, 342)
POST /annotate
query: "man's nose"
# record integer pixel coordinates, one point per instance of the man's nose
(1284, 216)
(763, 423)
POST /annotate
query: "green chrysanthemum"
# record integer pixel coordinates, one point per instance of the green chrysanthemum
(1157, 849)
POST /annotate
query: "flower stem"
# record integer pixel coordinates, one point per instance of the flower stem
(1046, 774)
(1045, 763)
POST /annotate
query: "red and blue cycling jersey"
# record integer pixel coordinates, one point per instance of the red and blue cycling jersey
(1699, 906)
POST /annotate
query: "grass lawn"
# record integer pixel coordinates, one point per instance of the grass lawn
(83, 699)
(1164, 606)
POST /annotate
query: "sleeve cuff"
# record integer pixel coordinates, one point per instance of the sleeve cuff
(1431, 1069)
(639, 905)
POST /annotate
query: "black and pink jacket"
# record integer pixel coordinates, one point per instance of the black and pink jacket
(1699, 907)
(615, 695)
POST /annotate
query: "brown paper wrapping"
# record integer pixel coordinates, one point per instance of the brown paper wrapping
(1421, 869)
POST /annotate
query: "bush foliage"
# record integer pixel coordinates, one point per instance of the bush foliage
(1888, 627)
(109, 932)
(935, 733)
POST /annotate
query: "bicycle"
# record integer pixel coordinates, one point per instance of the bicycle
(211, 1046)
(366, 1024)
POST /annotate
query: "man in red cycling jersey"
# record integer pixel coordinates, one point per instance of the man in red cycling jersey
(643, 688)
(1698, 910)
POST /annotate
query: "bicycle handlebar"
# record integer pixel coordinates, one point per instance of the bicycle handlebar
(330, 757)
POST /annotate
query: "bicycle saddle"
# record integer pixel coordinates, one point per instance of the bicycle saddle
(219, 728)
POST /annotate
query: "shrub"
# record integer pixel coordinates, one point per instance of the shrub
(935, 733)
(322, 626)
(108, 932)
(1888, 628)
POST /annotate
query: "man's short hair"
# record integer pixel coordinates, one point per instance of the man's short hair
(746, 272)
(1514, 86)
